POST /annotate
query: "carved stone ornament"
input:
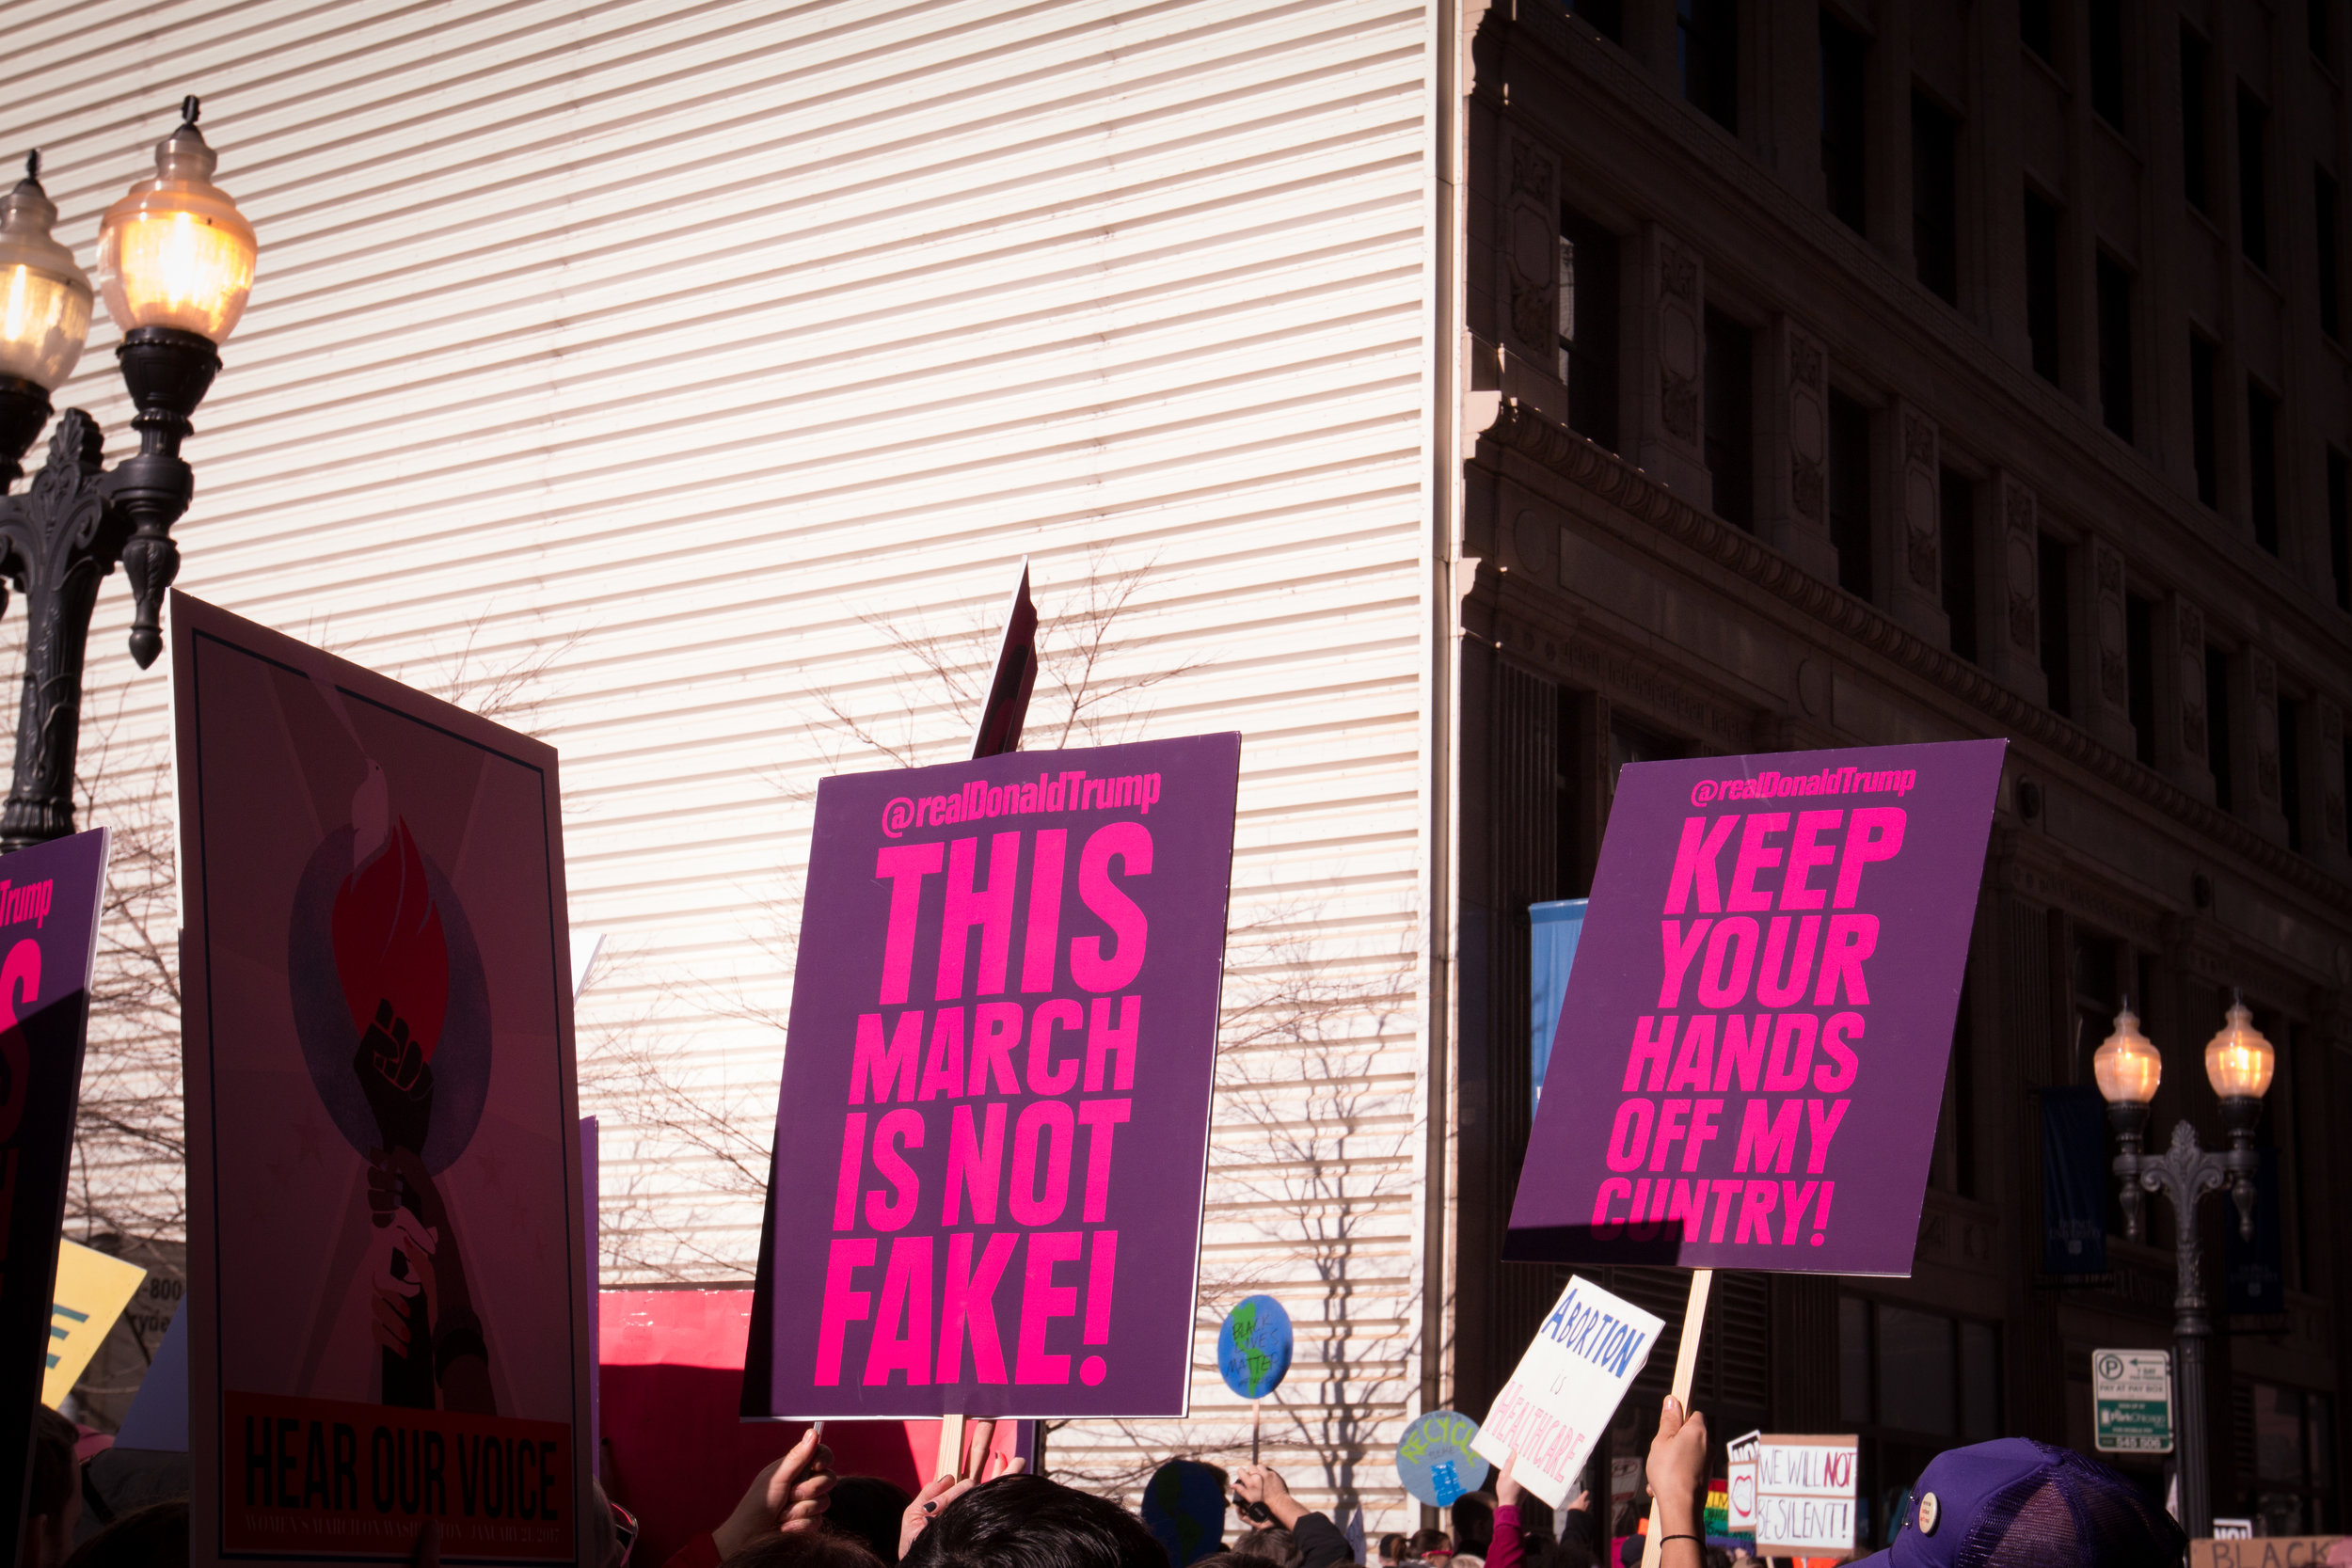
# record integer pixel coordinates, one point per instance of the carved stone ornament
(2024, 627)
(1678, 406)
(2110, 574)
(2020, 507)
(1805, 487)
(1533, 316)
(2113, 677)
(1531, 170)
(1678, 274)
(2267, 775)
(1919, 440)
(1923, 554)
(1804, 362)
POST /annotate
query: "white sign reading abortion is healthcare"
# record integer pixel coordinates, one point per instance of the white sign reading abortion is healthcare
(1804, 1489)
(1568, 1384)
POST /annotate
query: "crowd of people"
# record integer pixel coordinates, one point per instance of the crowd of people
(2011, 1503)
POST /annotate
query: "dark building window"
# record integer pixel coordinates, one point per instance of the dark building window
(2324, 240)
(2205, 432)
(2195, 150)
(2290, 768)
(2340, 526)
(1912, 1384)
(2321, 35)
(2056, 653)
(2286, 1459)
(1844, 56)
(2253, 195)
(1706, 36)
(2107, 62)
(2042, 285)
(1606, 17)
(2262, 463)
(1936, 196)
(1850, 492)
(2033, 25)
(1731, 418)
(1588, 327)
(1956, 501)
(2139, 668)
(2218, 725)
(2115, 347)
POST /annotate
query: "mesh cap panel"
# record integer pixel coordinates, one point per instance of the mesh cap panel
(2072, 1513)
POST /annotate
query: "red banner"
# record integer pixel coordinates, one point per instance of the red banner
(312, 1476)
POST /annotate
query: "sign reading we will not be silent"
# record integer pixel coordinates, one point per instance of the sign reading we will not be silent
(1760, 1013)
(992, 1132)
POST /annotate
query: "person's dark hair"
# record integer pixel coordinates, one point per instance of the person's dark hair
(1472, 1516)
(1268, 1544)
(1030, 1522)
(55, 1473)
(1426, 1541)
(805, 1548)
(156, 1536)
(1392, 1547)
(867, 1510)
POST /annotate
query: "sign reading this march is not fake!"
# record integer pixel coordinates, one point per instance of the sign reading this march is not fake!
(992, 1132)
(1760, 1013)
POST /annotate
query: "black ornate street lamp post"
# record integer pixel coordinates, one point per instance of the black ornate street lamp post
(2238, 1063)
(175, 265)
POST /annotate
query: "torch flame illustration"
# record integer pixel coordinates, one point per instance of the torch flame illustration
(393, 958)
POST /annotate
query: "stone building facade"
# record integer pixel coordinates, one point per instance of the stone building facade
(1850, 372)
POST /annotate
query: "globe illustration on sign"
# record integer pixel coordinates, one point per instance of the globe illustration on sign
(1253, 1349)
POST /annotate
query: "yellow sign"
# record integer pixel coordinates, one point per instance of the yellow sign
(92, 1291)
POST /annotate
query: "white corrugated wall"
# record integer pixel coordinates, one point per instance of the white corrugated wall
(667, 354)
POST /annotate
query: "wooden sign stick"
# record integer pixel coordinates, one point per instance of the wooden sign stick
(950, 1461)
(1686, 1368)
(1257, 1409)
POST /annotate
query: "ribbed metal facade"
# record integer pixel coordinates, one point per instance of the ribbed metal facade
(692, 363)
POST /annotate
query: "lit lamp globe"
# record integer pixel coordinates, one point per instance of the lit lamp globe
(2128, 1069)
(175, 255)
(44, 315)
(2239, 1063)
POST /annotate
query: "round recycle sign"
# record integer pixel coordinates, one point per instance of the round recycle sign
(1434, 1458)
(1253, 1349)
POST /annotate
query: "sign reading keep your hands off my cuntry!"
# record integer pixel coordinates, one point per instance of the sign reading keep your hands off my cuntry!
(993, 1132)
(1760, 1013)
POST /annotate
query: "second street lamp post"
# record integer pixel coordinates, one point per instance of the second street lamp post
(175, 265)
(2239, 1064)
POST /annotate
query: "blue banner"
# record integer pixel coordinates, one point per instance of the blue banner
(2074, 1174)
(1553, 929)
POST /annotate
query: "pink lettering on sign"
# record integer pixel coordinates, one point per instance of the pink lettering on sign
(1001, 1056)
(1759, 1012)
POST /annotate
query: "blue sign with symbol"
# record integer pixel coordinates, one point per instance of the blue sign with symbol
(1253, 1349)
(1434, 1458)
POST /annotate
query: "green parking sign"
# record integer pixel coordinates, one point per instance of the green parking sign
(2131, 1393)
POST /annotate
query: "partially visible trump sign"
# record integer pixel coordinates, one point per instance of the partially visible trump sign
(992, 1132)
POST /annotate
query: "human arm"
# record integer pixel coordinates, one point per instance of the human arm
(949, 1484)
(1678, 1466)
(788, 1494)
(398, 1180)
(1507, 1550)
(1319, 1541)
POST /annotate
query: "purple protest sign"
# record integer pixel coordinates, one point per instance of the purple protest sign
(1758, 1023)
(993, 1132)
(50, 897)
